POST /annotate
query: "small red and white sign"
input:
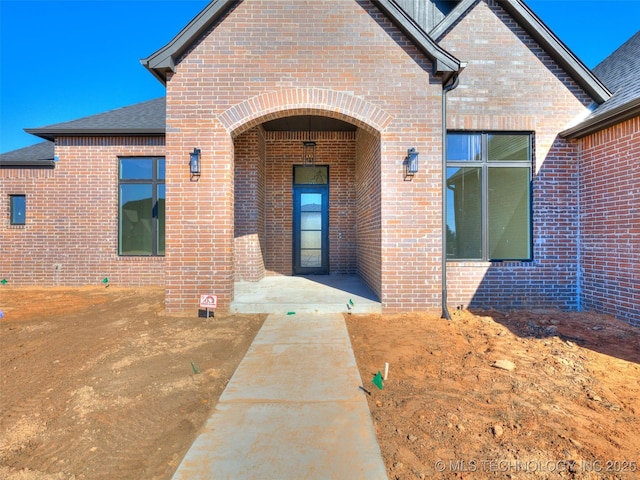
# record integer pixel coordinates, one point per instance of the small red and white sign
(208, 301)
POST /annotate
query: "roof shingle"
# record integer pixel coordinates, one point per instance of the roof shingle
(146, 118)
(39, 154)
(620, 72)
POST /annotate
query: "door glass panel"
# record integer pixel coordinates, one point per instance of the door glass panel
(160, 215)
(311, 202)
(311, 239)
(311, 220)
(311, 258)
(310, 229)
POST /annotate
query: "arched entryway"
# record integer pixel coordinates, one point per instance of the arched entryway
(297, 216)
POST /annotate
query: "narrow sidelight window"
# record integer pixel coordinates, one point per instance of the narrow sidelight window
(141, 209)
(18, 209)
(489, 196)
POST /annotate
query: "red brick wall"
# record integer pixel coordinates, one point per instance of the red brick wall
(71, 231)
(249, 201)
(610, 214)
(269, 59)
(368, 215)
(510, 84)
(284, 150)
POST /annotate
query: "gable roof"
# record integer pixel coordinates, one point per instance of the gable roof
(444, 62)
(535, 27)
(38, 155)
(146, 118)
(164, 60)
(620, 71)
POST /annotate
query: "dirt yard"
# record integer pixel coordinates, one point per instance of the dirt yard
(519, 395)
(99, 383)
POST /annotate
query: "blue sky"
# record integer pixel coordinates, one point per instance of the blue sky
(62, 60)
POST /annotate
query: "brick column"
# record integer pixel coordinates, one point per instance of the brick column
(200, 216)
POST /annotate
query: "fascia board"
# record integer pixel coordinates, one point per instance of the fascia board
(444, 62)
(558, 50)
(53, 133)
(164, 59)
(28, 163)
(605, 120)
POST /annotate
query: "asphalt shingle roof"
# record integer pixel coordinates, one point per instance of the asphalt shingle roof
(620, 72)
(35, 154)
(142, 118)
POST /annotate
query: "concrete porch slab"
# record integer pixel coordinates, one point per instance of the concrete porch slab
(305, 294)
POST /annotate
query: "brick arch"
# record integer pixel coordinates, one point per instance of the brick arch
(304, 101)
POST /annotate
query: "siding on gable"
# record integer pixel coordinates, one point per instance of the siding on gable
(427, 13)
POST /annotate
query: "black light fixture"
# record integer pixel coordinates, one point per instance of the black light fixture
(194, 162)
(309, 152)
(309, 147)
(411, 163)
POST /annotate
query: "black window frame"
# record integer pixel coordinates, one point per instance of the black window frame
(485, 164)
(12, 209)
(155, 181)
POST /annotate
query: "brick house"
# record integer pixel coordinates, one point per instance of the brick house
(286, 145)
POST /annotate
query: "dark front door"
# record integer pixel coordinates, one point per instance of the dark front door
(311, 231)
(311, 228)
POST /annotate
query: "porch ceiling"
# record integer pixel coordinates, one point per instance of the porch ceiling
(308, 123)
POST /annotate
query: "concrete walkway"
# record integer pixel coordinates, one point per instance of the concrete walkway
(292, 410)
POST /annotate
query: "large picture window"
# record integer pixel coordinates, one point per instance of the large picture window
(488, 196)
(141, 206)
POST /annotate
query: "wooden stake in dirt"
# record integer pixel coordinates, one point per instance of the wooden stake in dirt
(386, 370)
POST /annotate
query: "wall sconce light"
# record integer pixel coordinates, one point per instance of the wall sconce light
(194, 162)
(309, 152)
(411, 163)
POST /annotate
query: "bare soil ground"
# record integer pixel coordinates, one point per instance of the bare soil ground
(99, 383)
(521, 395)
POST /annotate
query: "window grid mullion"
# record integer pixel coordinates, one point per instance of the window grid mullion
(484, 211)
(154, 206)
